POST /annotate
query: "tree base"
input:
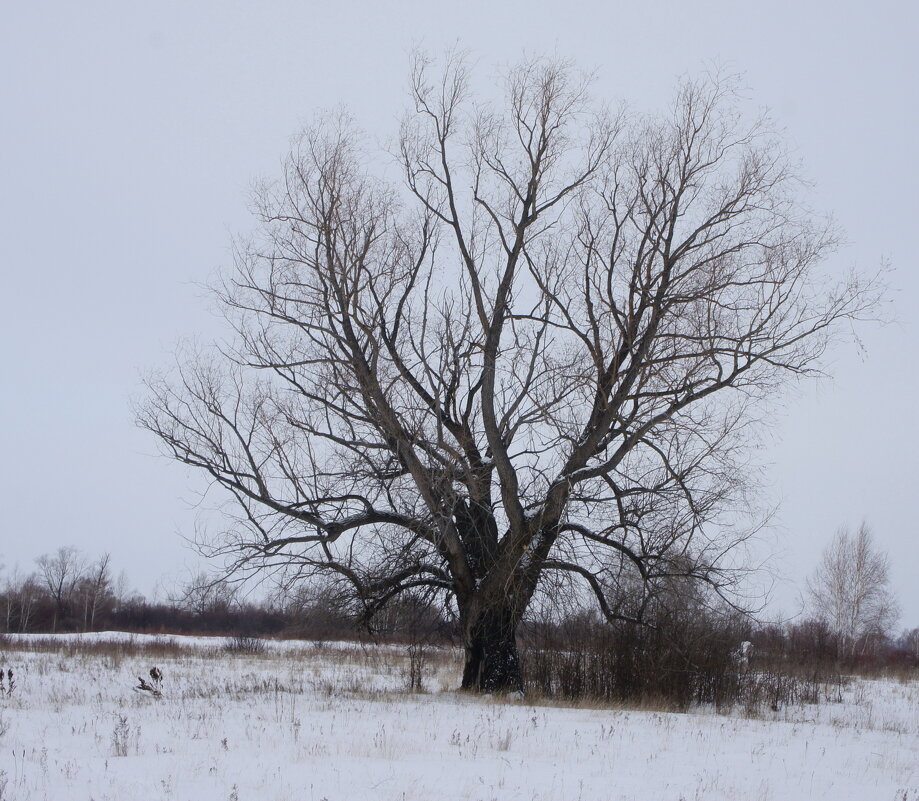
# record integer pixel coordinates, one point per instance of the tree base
(492, 664)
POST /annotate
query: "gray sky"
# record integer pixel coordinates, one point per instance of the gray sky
(131, 133)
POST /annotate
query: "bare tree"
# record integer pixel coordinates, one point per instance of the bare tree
(204, 594)
(61, 573)
(95, 589)
(19, 596)
(540, 356)
(850, 589)
(909, 641)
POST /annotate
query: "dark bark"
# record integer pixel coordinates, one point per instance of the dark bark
(492, 661)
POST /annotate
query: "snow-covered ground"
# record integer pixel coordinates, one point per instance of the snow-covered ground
(310, 722)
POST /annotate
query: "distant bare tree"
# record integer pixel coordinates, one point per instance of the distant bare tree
(61, 573)
(910, 643)
(19, 596)
(205, 593)
(850, 589)
(540, 357)
(95, 589)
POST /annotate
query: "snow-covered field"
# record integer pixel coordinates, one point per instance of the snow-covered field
(312, 722)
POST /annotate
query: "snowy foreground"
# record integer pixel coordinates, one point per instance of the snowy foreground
(312, 722)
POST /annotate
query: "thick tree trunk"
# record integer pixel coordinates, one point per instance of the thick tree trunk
(492, 661)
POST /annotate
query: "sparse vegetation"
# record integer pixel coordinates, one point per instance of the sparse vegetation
(417, 663)
(120, 735)
(341, 711)
(154, 687)
(7, 683)
(243, 644)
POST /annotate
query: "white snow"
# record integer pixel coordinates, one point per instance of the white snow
(306, 721)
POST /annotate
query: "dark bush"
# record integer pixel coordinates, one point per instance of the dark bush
(680, 660)
(242, 644)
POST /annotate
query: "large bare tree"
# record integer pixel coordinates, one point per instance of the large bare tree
(537, 355)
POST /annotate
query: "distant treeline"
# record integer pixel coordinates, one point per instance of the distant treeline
(70, 593)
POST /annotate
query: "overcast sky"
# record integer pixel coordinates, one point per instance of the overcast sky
(131, 133)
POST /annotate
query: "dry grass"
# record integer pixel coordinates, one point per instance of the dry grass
(347, 708)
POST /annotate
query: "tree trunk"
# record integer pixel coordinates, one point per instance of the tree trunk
(492, 661)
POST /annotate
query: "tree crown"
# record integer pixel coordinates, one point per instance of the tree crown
(538, 355)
